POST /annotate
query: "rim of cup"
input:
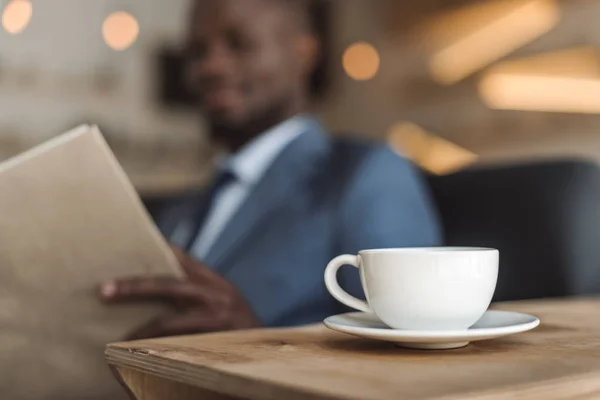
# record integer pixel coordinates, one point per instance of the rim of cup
(428, 250)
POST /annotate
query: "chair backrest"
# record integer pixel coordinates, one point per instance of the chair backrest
(544, 218)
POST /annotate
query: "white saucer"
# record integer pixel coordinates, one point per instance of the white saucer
(493, 324)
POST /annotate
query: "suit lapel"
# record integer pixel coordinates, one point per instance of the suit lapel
(181, 221)
(289, 170)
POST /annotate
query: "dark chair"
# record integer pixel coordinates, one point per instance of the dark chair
(544, 218)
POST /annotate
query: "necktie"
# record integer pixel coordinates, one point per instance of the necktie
(220, 181)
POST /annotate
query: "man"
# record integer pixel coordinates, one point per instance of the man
(287, 199)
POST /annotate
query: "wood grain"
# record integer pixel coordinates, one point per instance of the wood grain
(143, 386)
(558, 360)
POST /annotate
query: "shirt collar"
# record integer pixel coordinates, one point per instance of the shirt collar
(250, 163)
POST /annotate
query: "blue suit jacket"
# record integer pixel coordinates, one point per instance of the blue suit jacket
(319, 199)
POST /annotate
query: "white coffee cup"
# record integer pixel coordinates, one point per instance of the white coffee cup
(442, 288)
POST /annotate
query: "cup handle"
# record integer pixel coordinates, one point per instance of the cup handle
(334, 287)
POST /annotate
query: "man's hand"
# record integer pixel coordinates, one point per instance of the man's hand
(205, 302)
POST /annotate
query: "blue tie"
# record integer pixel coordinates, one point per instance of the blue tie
(220, 181)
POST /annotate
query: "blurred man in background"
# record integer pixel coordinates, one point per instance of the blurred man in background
(286, 198)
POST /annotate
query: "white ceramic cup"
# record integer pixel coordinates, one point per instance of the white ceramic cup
(442, 288)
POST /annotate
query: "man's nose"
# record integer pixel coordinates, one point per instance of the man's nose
(219, 60)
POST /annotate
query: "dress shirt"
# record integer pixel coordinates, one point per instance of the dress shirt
(248, 166)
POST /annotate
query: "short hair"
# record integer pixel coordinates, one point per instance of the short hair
(305, 11)
(319, 21)
(314, 15)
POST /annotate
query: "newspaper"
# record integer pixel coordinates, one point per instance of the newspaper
(69, 220)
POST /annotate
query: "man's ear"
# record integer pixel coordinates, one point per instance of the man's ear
(308, 51)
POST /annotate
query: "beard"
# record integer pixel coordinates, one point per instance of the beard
(235, 132)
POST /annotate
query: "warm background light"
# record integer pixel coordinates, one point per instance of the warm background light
(16, 16)
(466, 40)
(361, 61)
(120, 30)
(431, 152)
(565, 81)
(541, 93)
(575, 62)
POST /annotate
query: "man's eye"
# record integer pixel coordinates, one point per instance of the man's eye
(238, 42)
(197, 51)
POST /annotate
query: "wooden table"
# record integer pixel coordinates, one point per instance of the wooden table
(558, 360)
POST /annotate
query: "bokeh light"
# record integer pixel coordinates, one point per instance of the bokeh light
(429, 150)
(16, 16)
(361, 61)
(120, 30)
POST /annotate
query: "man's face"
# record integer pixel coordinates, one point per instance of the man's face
(243, 58)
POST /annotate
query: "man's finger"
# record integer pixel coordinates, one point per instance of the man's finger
(175, 324)
(153, 288)
(179, 254)
(152, 329)
(194, 269)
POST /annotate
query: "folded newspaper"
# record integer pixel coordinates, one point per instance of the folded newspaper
(69, 220)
